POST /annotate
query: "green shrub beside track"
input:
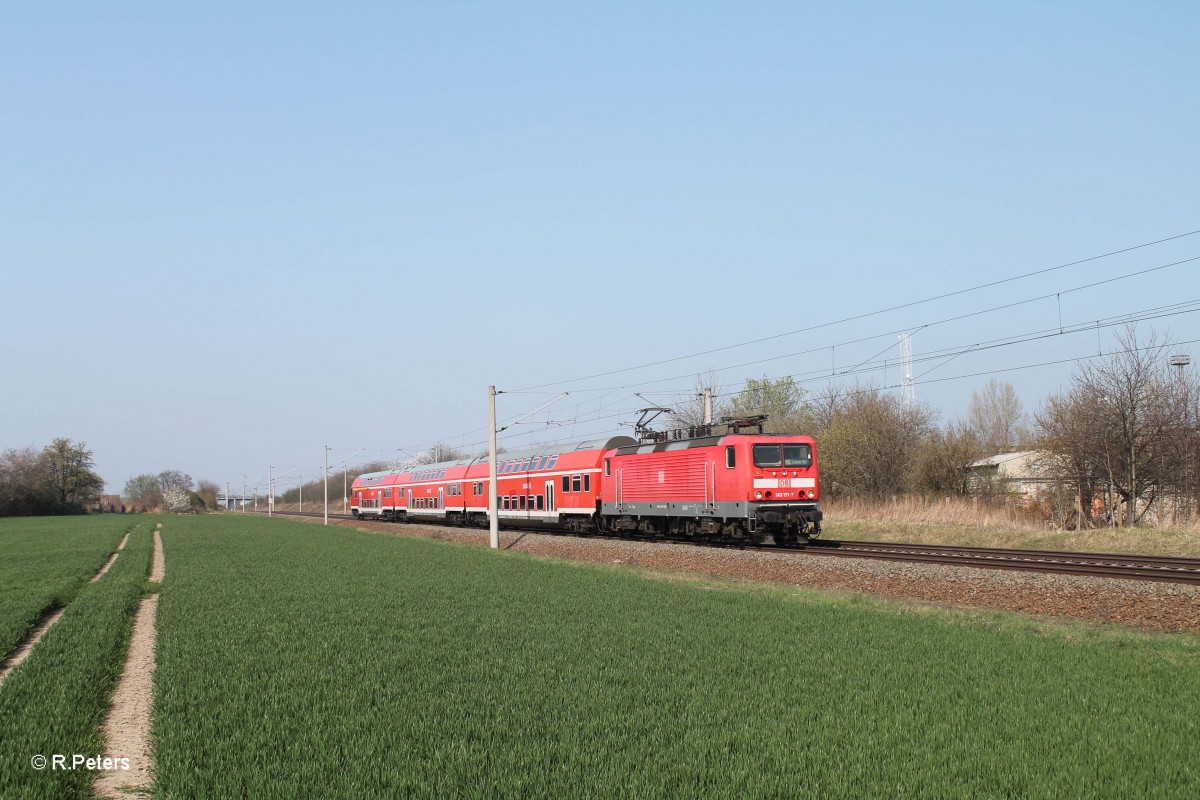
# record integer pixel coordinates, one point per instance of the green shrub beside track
(45, 561)
(301, 661)
(55, 702)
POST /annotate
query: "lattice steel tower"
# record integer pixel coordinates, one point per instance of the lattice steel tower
(907, 395)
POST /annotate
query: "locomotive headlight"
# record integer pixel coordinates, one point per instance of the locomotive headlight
(758, 495)
(811, 494)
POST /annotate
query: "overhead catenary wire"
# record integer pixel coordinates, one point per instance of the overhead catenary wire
(822, 347)
(606, 398)
(818, 375)
(877, 312)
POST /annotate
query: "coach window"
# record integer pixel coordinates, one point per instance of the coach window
(522, 502)
(797, 455)
(730, 457)
(587, 483)
(566, 483)
(541, 499)
(575, 483)
(766, 455)
(387, 492)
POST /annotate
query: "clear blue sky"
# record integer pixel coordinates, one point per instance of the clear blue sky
(234, 233)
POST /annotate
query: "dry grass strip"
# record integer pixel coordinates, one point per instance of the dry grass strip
(111, 559)
(127, 726)
(34, 636)
(158, 570)
(26, 647)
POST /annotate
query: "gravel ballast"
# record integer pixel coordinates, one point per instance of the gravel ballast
(1144, 604)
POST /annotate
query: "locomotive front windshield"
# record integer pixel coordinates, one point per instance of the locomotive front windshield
(788, 455)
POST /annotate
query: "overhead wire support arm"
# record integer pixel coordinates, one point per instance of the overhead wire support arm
(524, 417)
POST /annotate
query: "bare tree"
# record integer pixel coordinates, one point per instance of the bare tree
(996, 416)
(690, 412)
(1123, 430)
(174, 479)
(941, 461)
(208, 492)
(71, 472)
(23, 483)
(437, 454)
(1072, 457)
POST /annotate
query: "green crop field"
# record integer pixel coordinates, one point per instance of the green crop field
(55, 702)
(45, 561)
(296, 660)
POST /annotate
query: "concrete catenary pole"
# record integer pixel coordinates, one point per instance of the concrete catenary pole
(326, 484)
(493, 511)
(270, 491)
(708, 405)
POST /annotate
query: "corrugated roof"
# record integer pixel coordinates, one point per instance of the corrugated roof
(1001, 458)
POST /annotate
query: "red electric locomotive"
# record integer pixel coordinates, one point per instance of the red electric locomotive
(737, 486)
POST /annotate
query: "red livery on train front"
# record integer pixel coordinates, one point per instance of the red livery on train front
(732, 487)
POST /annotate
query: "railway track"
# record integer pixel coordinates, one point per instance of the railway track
(1107, 565)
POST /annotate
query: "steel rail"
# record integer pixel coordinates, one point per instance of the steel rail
(1123, 566)
(1112, 565)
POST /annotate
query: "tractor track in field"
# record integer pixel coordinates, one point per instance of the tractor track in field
(49, 617)
(1141, 603)
(127, 724)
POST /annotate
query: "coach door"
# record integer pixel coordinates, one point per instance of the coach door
(550, 497)
(441, 497)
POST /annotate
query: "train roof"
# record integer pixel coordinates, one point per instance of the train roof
(610, 443)
(700, 441)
